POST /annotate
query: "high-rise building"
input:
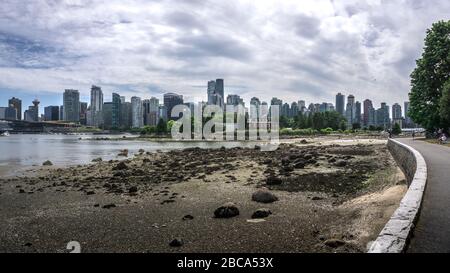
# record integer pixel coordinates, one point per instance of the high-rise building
(17, 104)
(107, 110)
(350, 111)
(163, 114)
(61, 112)
(234, 100)
(96, 107)
(220, 91)
(367, 105)
(170, 101)
(137, 116)
(32, 114)
(71, 101)
(211, 91)
(153, 117)
(358, 116)
(340, 103)
(382, 116)
(396, 111)
(294, 109)
(285, 110)
(126, 115)
(302, 106)
(408, 120)
(115, 111)
(8, 113)
(83, 113)
(51, 113)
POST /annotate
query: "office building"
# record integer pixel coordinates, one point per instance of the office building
(71, 101)
(137, 113)
(51, 113)
(17, 104)
(340, 103)
(170, 101)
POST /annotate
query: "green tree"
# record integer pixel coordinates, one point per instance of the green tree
(161, 128)
(444, 105)
(396, 130)
(429, 77)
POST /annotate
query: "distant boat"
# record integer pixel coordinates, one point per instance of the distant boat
(5, 133)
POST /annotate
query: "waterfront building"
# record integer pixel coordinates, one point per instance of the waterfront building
(51, 113)
(83, 113)
(17, 104)
(396, 111)
(107, 110)
(340, 103)
(8, 113)
(115, 111)
(96, 118)
(358, 115)
(71, 101)
(170, 101)
(367, 105)
(350, 111)
(137, 116)
(126, 115)
(32, 114)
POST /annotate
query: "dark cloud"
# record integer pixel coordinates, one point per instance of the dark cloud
(306, 26)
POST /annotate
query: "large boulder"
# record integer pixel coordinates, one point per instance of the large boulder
(47, 163)
(264, 196)
(228, 210)
(261, 213)
(274, 180)
(121, 166)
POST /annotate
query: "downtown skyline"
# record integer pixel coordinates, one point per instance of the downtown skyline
(311, 49)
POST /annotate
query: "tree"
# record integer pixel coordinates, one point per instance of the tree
(161, 128)
(444, 106)
(429, 77)
(396, 130)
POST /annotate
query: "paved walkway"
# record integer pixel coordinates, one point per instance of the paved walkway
(432, 233)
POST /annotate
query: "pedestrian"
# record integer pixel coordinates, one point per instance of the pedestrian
(413, 134)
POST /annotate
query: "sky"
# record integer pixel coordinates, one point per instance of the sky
(291, 49)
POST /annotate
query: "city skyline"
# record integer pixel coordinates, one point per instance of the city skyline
(311, 49)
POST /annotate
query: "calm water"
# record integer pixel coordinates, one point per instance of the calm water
(19, 152)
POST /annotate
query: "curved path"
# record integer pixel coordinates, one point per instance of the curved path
(432, 232)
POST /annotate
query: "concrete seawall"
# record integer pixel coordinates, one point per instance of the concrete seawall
(395, 235)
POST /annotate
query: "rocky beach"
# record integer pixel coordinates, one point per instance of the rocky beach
(304, 197)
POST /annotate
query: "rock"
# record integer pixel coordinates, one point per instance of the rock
(123, 153)
(273, 180)
(341, 163)
(316, 198)
(264, 196)
(47, 163)
(133, 189)
(303, 141)
(332, 160)
(141, 151)
(299, 165)
(267, 161)
(120, 166)
(228, 210)
(334, 243)
(176, 243)
(90, 192)
(188, 217)
(261, 213)
(21, 191)
(97, 159)
(109, 206)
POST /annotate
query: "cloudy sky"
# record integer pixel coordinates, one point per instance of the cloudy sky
(294, 50)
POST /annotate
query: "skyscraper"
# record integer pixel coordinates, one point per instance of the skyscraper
(340, 103)
(107, 115)
(71, 101)
(115, 111)
(126, 115)
(220, 90)
(234, 100)
(137, 116)
(51, 113)
(358, 117)
(17, 104)
(367, 104)
(170, 101)
(153, 112)
(83, 113)
(96, 107)
(396, 111)
(211, 91)
(350, 111)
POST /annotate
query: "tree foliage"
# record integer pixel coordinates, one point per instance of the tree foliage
(432, 72)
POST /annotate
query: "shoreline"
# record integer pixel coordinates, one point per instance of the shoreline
(142, 205)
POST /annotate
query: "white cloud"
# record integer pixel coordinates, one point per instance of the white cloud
(290, 49)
